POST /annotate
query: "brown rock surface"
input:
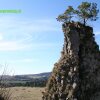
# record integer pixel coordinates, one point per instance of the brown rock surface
(76, 76)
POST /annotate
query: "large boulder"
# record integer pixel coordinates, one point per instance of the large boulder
(76, 75)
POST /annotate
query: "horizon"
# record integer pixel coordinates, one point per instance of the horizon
(25, 74)
(31, 41)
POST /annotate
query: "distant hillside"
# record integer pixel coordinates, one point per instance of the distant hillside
(27, 80)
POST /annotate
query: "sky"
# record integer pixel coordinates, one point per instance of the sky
(31, 41)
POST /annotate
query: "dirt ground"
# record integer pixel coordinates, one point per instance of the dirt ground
(26, 93)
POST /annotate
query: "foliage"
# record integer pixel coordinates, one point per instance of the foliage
(5, 93)
(86, 11)
(67, 16)
(33, 83)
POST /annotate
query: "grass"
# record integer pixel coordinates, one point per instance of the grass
(26, 93)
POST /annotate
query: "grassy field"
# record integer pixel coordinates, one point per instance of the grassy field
(26, 93)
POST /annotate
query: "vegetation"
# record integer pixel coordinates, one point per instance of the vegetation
(4, 91)
(26, 93)
(33, 80)
(86, 11)
(35, 83)
(67, 16)
(9, 91)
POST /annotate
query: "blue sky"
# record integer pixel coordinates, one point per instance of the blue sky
(31, 41)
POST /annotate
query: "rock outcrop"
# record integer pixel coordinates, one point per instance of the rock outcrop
(76, 76)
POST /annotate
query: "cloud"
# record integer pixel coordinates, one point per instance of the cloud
(15, 46)
(19, 34)
(28, 60)
(25, 60)
(97, 33)
(1, 37)
(12, 46)
(28, 25)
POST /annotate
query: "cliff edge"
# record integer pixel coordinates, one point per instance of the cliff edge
(76, 76)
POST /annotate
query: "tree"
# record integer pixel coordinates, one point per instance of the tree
(87, 11)
(67, 15)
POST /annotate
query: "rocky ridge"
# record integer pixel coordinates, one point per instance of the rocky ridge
(76, 76)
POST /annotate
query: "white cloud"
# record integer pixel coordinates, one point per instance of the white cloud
(12, 46)
(17, 45)
(20, 45)
(97, 33)
(17, 34)
(25, 60)
(28, 60)
(1, 37)
(28, 25)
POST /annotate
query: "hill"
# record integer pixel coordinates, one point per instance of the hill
(27, 80)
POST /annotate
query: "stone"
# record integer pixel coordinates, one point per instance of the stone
(74, 85)
(76, 75)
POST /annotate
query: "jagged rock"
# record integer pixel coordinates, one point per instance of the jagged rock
(76, 76)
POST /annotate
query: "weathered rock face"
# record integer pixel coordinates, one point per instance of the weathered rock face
(76, 76)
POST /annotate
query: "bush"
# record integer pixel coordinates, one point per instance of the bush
(5, 93)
